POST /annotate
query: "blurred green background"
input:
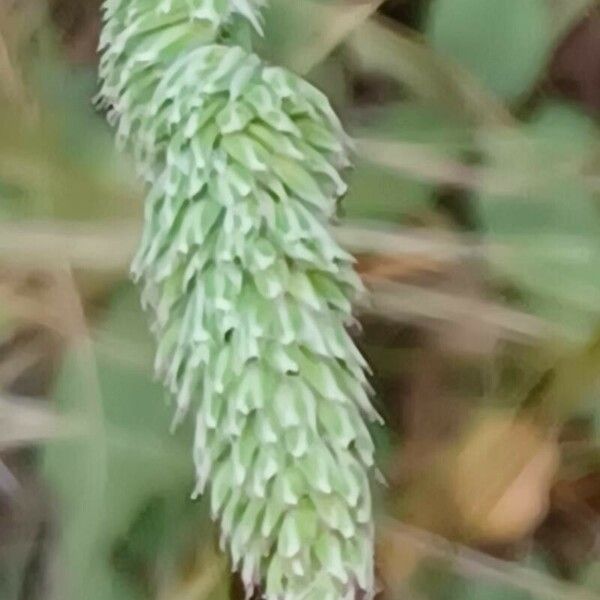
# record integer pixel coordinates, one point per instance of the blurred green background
(474, 214)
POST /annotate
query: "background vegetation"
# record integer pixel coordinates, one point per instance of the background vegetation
(474, 216)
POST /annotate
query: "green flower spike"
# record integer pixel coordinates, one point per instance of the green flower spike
(248, 292)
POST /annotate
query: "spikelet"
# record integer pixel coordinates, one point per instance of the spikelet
(248, 292)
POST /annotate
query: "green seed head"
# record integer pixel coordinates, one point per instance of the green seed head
(248, 292)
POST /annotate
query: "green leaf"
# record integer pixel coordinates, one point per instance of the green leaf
(301, 33)
(126, 463)
(505, 44)
(545, 233)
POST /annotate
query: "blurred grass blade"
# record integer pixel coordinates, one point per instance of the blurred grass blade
(409, 303)
(476, 565)
(98, 246)
(422, 162)
(419, 161)
(387, 48)
(336, 22)
(301, 33)
(25, 422)
(381, 239)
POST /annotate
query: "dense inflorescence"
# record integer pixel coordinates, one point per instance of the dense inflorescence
(248, 292)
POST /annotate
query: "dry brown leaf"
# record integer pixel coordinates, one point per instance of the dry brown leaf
(502, 476)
